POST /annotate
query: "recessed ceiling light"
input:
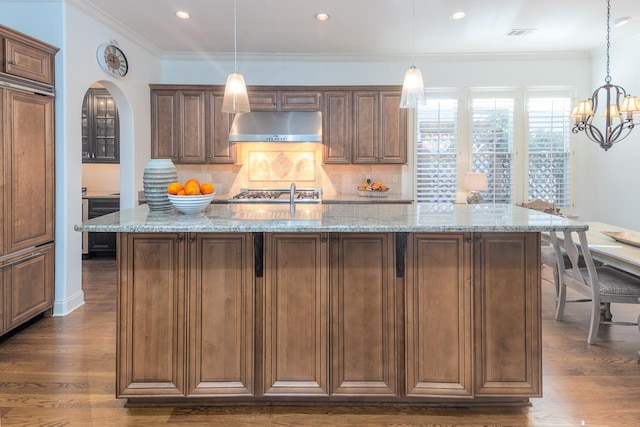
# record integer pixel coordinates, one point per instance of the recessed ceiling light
(619, 22)
(322, 16)
(182, 14)
(457, 15)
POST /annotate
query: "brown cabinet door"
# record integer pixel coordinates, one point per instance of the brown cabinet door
(164, 124)
(336, 135)
(220, 150)
(150, 359)
(191, 129)
(3, 177)
(363, 315)
(28, 170)
(300, 100)
(221, 315)
(295, 342)
(439, 352)
(365, 127)
(28, 61)
(393, 129)
(29, 285)
(507, 314)
(263, 100)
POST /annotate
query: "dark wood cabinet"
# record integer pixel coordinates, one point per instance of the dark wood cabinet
(508, 342)
(23, 56)
(438, 301)
(218, 147)
(27, 190)
(336, 130)
(102, 244)
(100, 128)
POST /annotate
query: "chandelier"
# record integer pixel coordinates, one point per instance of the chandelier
(619, 108)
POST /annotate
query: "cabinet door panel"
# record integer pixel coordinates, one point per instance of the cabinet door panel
(28, 62)
(221, 312)
(192, 129)
(507, 314)
(309, 101)
(295, 315)
(151, 312)
(29, 147)
(220, 149)
(438, 311)
(365, 127)
(363, 315)
(263, 100)
(29, 286)
(164, 124)
(393, 129)
(336, 134)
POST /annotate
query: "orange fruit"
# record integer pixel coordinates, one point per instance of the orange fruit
(191, 189)
(174, 187)
(207, 188)
(180, 193)
(195, 181)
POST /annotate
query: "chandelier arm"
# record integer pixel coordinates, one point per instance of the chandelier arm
(608, 78)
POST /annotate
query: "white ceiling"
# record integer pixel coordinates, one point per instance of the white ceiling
(374, 27)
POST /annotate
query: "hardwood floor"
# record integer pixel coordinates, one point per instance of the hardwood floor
(60, 371)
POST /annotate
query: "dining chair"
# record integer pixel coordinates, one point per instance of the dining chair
(602, 284)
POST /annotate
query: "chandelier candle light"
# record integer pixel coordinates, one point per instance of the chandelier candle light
(236, 99)
(619, 108)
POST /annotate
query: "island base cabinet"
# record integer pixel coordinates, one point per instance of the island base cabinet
(151, 294)
(438, 300)
(363, 315)
(508, 349)
(221, 315)
(295, 321)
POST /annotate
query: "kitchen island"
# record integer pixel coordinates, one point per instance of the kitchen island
(280, 304)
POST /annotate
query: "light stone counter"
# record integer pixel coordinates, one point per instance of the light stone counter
(334, 218)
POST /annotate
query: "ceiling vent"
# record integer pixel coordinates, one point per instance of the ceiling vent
(521, 32)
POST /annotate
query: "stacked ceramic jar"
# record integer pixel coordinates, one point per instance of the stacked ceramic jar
(158, 173)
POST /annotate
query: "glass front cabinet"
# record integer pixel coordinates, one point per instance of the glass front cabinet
(100, 128)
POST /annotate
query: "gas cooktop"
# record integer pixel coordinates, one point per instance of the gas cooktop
(256, 195)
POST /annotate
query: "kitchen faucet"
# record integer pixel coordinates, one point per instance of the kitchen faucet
(292, 192)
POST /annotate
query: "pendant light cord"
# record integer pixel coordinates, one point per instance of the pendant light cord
(608, 78)
(413, 31)
(235, 36)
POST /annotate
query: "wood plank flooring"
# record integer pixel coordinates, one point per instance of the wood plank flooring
(60, 371)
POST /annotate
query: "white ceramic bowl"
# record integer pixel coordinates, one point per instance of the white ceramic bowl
(191, 204)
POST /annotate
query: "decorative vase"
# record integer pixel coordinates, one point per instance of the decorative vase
(158, 173)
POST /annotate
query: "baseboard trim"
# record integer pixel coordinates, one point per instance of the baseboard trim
(64, 307)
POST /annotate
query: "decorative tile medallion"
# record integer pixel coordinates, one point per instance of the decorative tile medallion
(282, 166)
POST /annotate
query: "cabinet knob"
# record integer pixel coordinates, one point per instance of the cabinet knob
(469, 239)
(323, 239)
(192, 239)
(335, 239)
(12, 62)
(179, 240)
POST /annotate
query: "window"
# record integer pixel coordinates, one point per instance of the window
(437, 151)
(522, 143)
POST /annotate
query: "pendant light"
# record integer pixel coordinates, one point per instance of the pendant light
(235, 98)
(413, 85)
(619, 109)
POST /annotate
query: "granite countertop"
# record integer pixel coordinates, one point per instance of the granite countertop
(100, 195)
(334, 218)
(354, 198)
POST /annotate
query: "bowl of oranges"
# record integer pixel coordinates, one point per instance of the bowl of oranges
(191, 197)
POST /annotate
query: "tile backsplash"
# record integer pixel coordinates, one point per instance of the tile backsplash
(275, 165)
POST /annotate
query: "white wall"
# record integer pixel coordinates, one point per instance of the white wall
(609, 180)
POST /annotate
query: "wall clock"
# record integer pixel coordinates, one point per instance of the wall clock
(112, 60)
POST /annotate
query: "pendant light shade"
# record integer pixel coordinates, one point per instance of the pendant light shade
(413, 86)
(236, 99)
(412, 89)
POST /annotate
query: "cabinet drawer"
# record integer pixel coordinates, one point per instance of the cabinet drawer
(28, 62)
(301, 101)
(99, 207)
(263, 100)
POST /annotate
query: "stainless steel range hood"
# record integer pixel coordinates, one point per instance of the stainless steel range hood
(272, 126)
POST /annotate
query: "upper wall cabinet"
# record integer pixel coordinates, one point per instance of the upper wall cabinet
(188, 125)
(362, 125)
(100, 128)
(24, 57)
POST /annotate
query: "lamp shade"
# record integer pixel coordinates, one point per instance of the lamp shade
(412, 89)
(235, 99)
(475, 181)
